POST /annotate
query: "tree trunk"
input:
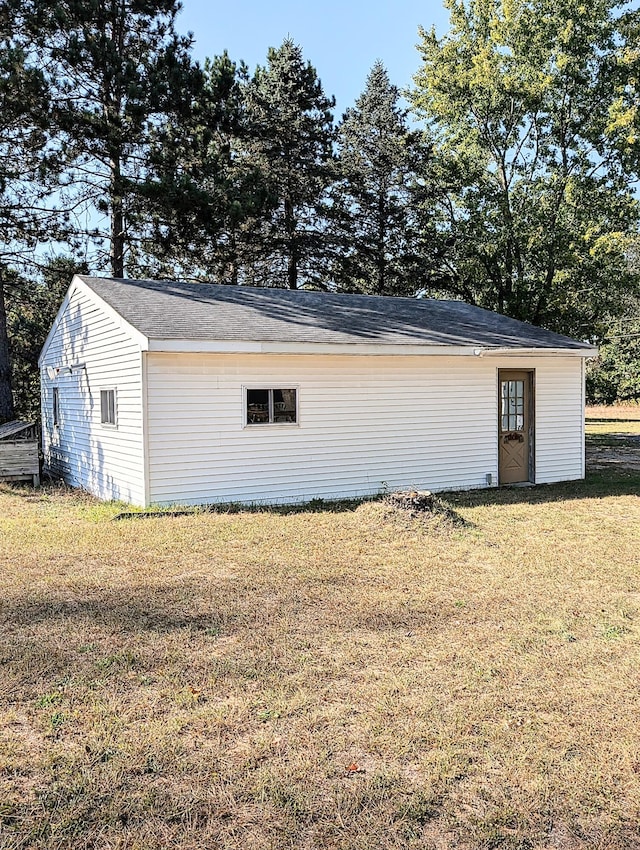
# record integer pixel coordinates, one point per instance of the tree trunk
(116, 251)
(232, 265)
(292, 260)
(382, 237)
(113, 98)
(6, 396)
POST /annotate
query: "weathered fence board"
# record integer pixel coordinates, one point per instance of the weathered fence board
(19, 458)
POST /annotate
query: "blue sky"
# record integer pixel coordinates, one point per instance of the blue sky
(341, 39)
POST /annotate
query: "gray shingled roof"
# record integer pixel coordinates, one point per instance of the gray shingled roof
(205, 311)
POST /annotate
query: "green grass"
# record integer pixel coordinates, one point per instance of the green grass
(348, 677)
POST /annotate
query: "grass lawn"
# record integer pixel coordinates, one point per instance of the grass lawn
(613, 426)
(347, 678)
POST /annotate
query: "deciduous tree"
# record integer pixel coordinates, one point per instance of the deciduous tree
(521, 96)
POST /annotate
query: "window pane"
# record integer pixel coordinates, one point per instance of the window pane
(519, 422)
(284, 405)
(257, 407)
(271, 406)
(505, 422)
(108, 407)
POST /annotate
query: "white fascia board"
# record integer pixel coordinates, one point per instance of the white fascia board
(587, 351)
(364, 348)
(205, 346)
(79, 285)
(221, 346)
(253, 347)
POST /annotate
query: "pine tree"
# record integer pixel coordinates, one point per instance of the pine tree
(290, 143)
(116, 68)
(372, 220)
(203, 195)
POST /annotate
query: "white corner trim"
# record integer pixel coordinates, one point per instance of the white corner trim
(583, 400)
(144, 377)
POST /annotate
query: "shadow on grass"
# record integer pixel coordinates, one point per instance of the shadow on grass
(436, 509)
(114, 609)
(631, 441)
(113, 615)
(209, 605)
(313, 506)
(597, 485)
(600, 420)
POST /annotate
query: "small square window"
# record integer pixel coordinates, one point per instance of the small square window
(108, 407)
(271, 406)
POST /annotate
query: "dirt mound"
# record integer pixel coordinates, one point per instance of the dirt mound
(419, 503)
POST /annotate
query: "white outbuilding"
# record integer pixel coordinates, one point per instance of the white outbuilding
(157, 392)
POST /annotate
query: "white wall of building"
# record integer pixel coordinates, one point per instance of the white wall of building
(105, 460)
(559, 395)
(366, 424)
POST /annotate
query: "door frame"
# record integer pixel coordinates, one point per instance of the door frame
(531, 409)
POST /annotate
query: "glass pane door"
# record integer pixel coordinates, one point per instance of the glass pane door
(512, 407)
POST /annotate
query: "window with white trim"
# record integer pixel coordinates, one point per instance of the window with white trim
(108, 407)
(271, 406)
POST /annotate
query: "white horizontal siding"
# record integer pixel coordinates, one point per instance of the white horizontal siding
(106, 461)
(365, 424)
(559, 394)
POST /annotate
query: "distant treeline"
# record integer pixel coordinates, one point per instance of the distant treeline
(506, 176)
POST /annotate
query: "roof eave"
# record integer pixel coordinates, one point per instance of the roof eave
(586, 351)
(191, 346)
